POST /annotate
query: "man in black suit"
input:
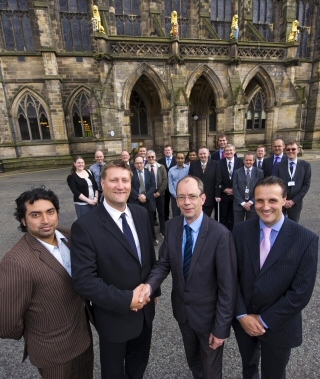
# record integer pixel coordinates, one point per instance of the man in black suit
(143, 187)
(199, 253)
(111, 253)
(244, 181)
(125, 157)
(271, 162)
(277, 266)
(260, 154)
(142, 151)
(209, 172)
(220, 154)
(168, 161)
(227, 166)
(296, 173)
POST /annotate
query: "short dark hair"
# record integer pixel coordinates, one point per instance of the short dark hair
(115, 163)
(249, 153)
(271, 181)
(222, 135)
(261, 146)
(37, 193)
(199, 182)
(180, 152)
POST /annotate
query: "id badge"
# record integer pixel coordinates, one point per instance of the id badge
(246, 191)
(291, 184)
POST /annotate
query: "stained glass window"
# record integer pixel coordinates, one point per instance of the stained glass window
(263, 17)
(303, 16)
(82, 122)
(221, 17)
(16, 26)
(32, 119)
(256, 116)
(75, 25)
(138, 116)
(128, 17)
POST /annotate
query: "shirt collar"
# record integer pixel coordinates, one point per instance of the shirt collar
(196, 224)
(294, 161)
(277, 226)
(114, 213)
(59, 237)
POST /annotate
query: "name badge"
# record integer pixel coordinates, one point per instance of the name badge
(247, 190)
(291, 184)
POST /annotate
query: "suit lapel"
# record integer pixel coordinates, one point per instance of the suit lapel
(177, 244)
(253, 246)
(46, 257)
(113, 228)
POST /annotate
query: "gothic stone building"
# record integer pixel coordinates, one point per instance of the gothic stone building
(69, 87)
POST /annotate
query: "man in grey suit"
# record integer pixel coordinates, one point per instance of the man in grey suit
(296, 173)
(37, 297)
(244, 180)
(200, 254)
(277, 267)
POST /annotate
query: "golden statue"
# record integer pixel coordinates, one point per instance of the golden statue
(234, 27)
(293, 36)
(174, 22)
(96, 20)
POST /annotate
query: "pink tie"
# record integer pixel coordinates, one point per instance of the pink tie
(265, 245)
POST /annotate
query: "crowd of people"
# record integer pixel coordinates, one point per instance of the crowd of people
(255, 276)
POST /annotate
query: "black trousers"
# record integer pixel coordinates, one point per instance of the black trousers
(207, 209)
(167, 196)
(226, 212)
(292, 213)
(151, 218)
(160, 210)
(126, 360)
(274, 359)
(243, 215)
(203, 362)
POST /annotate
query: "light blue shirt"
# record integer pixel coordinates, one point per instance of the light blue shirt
(175, 175)
(195, 226)
(96, 170)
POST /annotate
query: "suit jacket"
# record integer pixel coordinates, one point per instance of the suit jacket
(267, 164)
(162, 178)
(240, 184)
(150, 187)
(208, 297)
(302, 179)
(39, 302)
(105, 270)
(256, 163)
(215, 156)
(226, 182)
(283, 287)
(163, 161)
(211, 178)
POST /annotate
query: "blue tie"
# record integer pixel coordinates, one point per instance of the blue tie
(276, 160)
(128, 234)
(291, 167)
(187, 254)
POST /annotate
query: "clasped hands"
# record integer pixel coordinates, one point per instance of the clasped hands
(141, 297)
(252, 325)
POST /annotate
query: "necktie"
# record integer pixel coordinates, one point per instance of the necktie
(99, 180)
(65, 255)
(265, 245)
(204, 165)
(223, 155)
(128, 234)
(259, 164)
(168, 162)
(142, 187)
(187, 253)
(230, 169)
(291, 167)
(152, 168)
(276, 161)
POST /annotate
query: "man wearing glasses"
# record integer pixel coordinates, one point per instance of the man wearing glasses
(296, 174)
(161, 178)
(200, 254)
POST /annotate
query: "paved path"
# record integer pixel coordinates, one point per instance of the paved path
(167, 360)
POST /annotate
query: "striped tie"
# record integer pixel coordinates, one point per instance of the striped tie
(187, 256)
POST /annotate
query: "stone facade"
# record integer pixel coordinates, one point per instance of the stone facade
(193, 87)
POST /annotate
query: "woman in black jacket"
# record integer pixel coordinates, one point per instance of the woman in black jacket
(83, 187)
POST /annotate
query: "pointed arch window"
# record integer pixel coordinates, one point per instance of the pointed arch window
(128, 17)
(221, 17)
(75, 25)
(263, 17)
(15, 25)
(256, 115)
(32, 119)
(181, 7)
(138, 115)
(81, 116)
(303, 16)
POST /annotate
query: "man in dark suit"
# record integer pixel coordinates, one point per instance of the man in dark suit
(168, 161)
(125, 157)
(37, 297)
(209, 172)
(271, 162)
(260, 154)
(227, 166)
(199, 253)
(143, 187)
(161, 178)
(277, 266)
(220, 154)
(244, 181)
(112, 252)
(296, 173)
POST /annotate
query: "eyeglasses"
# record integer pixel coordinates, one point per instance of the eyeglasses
(293, 149)
(151, 157)
(190, 197)
(138, 162)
